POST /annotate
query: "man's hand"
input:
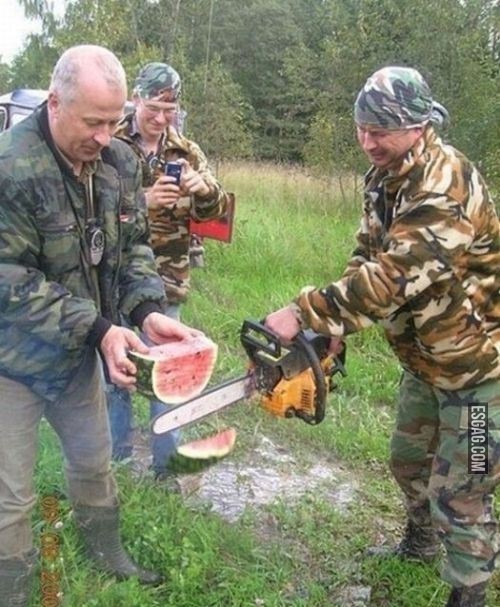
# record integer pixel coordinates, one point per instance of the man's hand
(284, 323)
(164, 192)
(191, 181)
(115, 346)
(118, 341)
(160, 329)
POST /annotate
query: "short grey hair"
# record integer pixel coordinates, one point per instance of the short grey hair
(66, 74)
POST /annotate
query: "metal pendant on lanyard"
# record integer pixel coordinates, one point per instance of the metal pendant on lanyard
(94, 234)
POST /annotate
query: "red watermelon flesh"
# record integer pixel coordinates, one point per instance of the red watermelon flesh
(181, 369)
(215, 446)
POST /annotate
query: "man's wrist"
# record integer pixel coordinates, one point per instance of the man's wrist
(97, 331)
(297, 312)
(140, 312)
(207, 194)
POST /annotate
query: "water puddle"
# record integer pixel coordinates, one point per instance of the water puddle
(267, 475)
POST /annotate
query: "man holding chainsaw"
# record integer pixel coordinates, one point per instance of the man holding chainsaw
(427, 269)
(153, 133)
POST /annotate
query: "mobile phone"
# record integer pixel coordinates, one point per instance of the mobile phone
(174, 169)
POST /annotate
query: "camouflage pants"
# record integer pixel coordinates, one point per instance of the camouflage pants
(170, 243)
(430, 448)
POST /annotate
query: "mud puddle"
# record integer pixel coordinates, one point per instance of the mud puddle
(268, 474)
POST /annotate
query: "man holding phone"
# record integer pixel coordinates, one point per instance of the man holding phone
(178, 184)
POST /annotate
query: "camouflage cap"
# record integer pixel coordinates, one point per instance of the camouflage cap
(397, 98)
(156, 79)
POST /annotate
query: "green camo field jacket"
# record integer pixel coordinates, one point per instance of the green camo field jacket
(427, 268)
(51, 309)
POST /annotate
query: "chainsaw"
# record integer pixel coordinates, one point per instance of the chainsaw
(292, 380)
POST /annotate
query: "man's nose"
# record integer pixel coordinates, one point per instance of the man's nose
(103, 136)
(367, 141)
(162, 118)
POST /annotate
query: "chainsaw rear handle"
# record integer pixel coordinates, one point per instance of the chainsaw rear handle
(256, 337)
(319, 380)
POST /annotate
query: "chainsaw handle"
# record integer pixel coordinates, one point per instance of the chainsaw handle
(263, 346)
(255, 337)
(319, 379)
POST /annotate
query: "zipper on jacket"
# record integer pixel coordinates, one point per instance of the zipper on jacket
(89, 197)
(114, 283)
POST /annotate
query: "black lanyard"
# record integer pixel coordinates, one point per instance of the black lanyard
(91, 236)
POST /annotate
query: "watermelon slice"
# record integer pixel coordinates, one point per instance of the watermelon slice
(215, 446)
(176, 371)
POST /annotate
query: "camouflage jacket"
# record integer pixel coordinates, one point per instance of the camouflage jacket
(170, 226)
(54, 306)
(427, 268)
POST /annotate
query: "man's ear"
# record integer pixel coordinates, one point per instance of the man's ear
(418, 132)
(53, 103)
(135, 99)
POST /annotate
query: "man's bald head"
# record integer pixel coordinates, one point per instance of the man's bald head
(86, 62)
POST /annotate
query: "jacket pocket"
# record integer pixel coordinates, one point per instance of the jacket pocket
(60, 249)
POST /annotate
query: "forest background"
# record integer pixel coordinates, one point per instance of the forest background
(271, 83)
(276, 80)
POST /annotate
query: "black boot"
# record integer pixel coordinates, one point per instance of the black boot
(16, 576)
(99, 527)
(468, 596)
(419, 543)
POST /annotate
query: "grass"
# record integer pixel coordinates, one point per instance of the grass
(291, 230)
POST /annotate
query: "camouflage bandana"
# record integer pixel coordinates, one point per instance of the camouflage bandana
(397, 98)
(158, 80)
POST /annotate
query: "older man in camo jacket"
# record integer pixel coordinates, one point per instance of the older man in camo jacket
(427, 269)
(74, 258)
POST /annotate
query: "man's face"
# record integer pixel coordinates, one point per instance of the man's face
(83, 127)
(154, 116)
(386, 148)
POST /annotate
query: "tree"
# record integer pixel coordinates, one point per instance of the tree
(217, 113)
(276, 71)
(4, 78)
(32, 67)
(452, 50)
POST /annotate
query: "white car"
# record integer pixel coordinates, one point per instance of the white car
(18, 104)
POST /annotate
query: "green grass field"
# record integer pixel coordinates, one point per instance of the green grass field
(291, 230)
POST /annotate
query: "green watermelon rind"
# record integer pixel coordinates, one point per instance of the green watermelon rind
(179, 464)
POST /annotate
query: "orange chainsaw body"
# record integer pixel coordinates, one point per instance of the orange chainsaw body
(299, 393)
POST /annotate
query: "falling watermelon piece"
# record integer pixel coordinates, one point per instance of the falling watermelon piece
(215, 446)
(176, 371)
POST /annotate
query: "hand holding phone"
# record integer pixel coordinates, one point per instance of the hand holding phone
(174, 169)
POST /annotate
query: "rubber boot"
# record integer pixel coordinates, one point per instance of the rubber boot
(418, 543)
(468, 596)
(100, 529)
(16, 576)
